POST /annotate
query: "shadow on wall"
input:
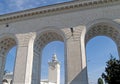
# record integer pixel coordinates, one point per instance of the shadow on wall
(81, 78)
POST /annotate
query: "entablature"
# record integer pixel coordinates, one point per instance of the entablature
(56, 9)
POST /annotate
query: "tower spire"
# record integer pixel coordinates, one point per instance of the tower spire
(54, 58)
(54, 70)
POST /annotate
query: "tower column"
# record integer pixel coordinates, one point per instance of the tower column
(76, 73)
(23, 65)
(2, 64)
(54, 70)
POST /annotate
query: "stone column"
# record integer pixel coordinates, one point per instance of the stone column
(2, 63)
(76, 73)
(24, 58)
(36, 67)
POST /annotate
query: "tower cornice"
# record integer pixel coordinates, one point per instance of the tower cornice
(55, 9)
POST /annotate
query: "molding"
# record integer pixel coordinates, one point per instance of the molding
(55, 9)
(24, 39)
(103, 29)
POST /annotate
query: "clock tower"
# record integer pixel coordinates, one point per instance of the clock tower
(54, 70)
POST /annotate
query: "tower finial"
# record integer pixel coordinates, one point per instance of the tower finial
(54, 58)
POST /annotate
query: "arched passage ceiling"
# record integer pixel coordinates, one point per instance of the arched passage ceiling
(104, 30)
(5, 45)
(44, 38)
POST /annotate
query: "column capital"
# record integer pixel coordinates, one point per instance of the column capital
(24, 39)
(73, 33)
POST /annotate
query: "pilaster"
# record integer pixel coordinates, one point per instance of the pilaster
(76, 74)
(2, 63)
(23, 65)
(36, 68)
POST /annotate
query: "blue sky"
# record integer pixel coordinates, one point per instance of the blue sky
(7, 6)
(98, 49)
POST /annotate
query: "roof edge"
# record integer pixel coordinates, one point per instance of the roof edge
(55, 9)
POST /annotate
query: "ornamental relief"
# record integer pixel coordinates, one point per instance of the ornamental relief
(103, 30)
(5, 45)
(44, 39)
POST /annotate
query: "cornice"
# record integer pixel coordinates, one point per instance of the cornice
(55, 9)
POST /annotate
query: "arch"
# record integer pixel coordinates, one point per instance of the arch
(10, 35)
(51, 28)
(102, 27)
(45, 32)
(99, 50)
(99, 27)
(7, 41)
(43, 37)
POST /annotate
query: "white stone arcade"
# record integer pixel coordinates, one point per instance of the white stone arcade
(73, 23)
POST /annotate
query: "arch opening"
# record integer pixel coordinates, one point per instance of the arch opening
(10, 59)
(107, 39)
(42, 40)
(98, 51)
(50, 50)
(6, 61)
